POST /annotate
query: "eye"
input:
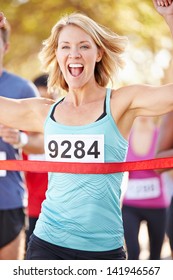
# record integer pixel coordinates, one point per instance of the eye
(84, 47)
(65, 47)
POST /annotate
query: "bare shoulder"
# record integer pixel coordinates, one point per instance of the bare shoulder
(124, 96)
(121, 107)
(39, 105)
(129, 90)
(130, 97)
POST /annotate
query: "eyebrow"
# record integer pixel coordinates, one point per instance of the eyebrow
(66, 42)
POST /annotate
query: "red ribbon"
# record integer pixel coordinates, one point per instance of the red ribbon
(85, 168)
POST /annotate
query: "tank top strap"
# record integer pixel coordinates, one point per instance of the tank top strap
(53, 106)
(108, 97)
(108, 110)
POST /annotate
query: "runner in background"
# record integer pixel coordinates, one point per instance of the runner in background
(36, 182)
(165, 149)
(13, 199)
(145, 198)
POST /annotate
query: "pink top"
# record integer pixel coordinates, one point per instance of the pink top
(145, 188)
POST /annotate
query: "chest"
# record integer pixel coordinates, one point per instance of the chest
(67, 114)
(98, 141)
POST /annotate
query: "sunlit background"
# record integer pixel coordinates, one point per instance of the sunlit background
(148, 54)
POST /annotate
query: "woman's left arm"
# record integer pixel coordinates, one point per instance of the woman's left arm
(165, 9)
(150, 100)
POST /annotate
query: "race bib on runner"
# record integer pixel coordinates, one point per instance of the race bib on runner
(36, 157)
(3, 156)
(75, 148)
(143, 188)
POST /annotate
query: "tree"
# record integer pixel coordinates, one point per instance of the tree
(32, 20)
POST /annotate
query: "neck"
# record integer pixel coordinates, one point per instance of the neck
(86, 95)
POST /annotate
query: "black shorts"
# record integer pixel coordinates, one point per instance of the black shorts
(39, 249)
(32, 222)
(170, 224)
(11, 223)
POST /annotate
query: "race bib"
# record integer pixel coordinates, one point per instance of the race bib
(75, 148)
(36, 157)
(143, 188)
(3, 156)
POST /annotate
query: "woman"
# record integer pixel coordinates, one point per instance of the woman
(145, 198)
(165, 149)
(81, 216)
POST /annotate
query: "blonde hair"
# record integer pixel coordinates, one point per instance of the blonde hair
(112, 45)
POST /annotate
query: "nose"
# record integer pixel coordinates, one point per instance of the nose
(74, 54)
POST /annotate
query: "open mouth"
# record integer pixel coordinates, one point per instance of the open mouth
(75, 69)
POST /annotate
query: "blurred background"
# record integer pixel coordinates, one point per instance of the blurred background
(150, 42)
(148, 56)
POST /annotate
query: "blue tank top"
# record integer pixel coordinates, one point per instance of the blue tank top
(82, 211)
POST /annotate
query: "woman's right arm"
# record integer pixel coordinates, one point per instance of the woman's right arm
(24, 114)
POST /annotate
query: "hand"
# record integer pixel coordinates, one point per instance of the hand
(2, 19)
(164, 7)
(10, 135)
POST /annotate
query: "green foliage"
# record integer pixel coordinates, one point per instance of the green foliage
(32, 20)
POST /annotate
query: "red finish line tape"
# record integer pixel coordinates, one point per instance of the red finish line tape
(84, 168)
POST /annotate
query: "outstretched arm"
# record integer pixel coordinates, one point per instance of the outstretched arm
(165, 9)
(26, 114)
(144, 100)
(153, 100)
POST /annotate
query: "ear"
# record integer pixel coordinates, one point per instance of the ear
(100, 54)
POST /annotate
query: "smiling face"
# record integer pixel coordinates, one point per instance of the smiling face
(77, 55)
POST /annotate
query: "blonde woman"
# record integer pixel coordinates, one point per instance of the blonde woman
(81, 216)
